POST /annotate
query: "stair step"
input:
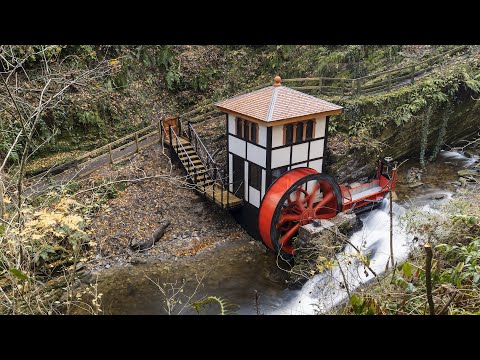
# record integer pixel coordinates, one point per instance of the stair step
(204, 183)
(186, 147)
(196, 163)
(191, 156)
(191, 168)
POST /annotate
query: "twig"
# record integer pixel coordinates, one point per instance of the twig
(444, 309)
(428, 277)
(345, 283)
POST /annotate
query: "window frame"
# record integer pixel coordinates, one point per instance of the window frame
(294, 132)
(246, 129)
(258, 180)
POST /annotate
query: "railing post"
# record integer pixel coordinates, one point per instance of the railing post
(179, 125)
(160, 132)
(228, 189)
(189, 127)
(389, 79)
(343, 87)
(412, 74)
(221, 196)
(110, 153)
(214, 182)
(136, 142)
(359, 86)
(170, 140)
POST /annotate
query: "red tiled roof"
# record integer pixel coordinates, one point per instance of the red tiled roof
(275, 103)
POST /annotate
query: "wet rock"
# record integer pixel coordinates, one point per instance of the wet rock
(456, 183)
(463, 181)
(414, 175)
(415, 185)
(108, 266)
(438, 196)
(468, 172)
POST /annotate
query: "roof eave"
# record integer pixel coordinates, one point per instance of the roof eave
(282, 121)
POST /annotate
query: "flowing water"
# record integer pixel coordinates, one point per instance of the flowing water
(235, 272)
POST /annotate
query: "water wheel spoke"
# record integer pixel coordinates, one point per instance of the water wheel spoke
(298, 193)
(326, 198)
(289, 217)
(311, 197)
(289, 234)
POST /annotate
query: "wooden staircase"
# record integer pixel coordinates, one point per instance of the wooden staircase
(200, 175)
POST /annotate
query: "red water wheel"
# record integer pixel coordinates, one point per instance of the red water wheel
(296, 198)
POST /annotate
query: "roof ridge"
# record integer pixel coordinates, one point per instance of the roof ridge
(313, 97)
(272, 103)
(242, 95)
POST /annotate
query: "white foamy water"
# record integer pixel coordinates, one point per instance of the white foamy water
(326, 290)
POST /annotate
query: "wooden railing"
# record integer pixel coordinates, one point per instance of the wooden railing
(373, 83)
(370, 84)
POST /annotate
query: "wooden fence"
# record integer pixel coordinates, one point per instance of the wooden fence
(374, 83)
(370, 84)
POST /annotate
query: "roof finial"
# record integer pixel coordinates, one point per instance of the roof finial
(278, 81)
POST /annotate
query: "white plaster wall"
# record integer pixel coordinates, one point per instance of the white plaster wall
(317, 165)
(264, 182)
(236, 146)
(320, 127)
(316, 149)
(280, 157)
(277, 136)
(245, 181)
(262, 135)
(256, 155)
(230, 171)
(299, 152)
(231, 124)
(254, 197)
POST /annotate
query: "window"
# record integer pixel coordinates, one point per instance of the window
(298, 132)
(288, 134)
(309, 132)
(247, 130)
(255, 176)
(276, 173)
(239, 127)
(254, 133)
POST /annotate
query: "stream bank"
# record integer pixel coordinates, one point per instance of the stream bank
(235, 269)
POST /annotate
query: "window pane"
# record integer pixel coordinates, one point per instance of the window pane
(276, 173)
(309, 134)
(288, 134)
(245, 129)
(253, 133)
(255, 176)
(239, 127)
(299, 133)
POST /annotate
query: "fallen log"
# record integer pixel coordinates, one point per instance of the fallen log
(147, 244)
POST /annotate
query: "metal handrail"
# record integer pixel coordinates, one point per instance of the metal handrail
(204, 154)
(197, 138)
(179, 144)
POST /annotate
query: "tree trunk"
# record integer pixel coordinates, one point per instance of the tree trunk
(147, 244)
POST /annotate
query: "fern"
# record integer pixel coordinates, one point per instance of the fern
(225, 307)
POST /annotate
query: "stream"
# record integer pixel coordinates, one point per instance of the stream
(236, 272)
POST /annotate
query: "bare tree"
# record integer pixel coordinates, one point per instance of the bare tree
(29, 91)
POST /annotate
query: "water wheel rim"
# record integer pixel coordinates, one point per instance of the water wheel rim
(276, 197)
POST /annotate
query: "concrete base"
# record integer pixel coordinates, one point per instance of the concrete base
(343, 223)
